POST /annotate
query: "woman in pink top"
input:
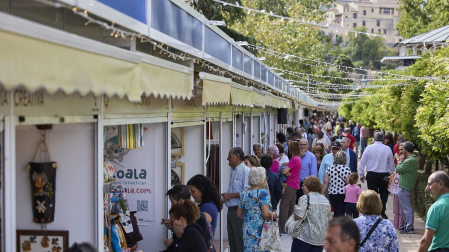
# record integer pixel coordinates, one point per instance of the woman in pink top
(352, 192)
(273, 152)
(288, 200)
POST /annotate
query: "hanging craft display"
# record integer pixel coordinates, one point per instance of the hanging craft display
(43, 187)
(130, 136)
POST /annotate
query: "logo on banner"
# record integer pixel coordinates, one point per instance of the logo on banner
(113, 151)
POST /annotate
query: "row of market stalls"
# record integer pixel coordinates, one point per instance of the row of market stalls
(72, 87)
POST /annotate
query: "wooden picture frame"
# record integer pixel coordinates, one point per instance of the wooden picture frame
(178, 138)
(180, 171)
(35, 240)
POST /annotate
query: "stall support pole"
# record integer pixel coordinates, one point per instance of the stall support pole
(204, 142)
(269, 130)
(168, 158)
(233, 127)
(9, 182)
(242, 137)
(99, 206)
(220, 144)
(251, 132)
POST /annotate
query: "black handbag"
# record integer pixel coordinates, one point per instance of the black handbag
(134, 236)
(43, 188)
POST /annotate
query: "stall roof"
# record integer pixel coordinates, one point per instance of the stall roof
(439, 35)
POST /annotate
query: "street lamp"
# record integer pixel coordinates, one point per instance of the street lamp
(363, 82)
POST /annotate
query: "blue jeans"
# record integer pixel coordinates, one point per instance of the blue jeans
(363, 144)
(300, 246)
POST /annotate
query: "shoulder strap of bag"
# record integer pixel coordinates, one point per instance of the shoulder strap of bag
(370, 231)
(340, 175)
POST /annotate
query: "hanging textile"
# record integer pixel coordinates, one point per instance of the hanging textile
(213, 164)
(130, 136)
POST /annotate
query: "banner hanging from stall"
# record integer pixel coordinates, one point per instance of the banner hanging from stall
(134, 172)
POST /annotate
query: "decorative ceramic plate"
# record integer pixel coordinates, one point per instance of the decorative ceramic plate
(175, 142)
(175, 179)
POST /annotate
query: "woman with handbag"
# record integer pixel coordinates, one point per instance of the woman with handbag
(376, 234)
(254, 208)
(336, 178)
(315, 211)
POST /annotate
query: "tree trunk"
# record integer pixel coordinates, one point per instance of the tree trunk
(444, 161)
(428, 169)
(422, 162)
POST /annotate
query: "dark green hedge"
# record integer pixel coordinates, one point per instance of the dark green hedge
(422, 198)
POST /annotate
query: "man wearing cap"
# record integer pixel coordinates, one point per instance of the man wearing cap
(328, 160)
(378, 163)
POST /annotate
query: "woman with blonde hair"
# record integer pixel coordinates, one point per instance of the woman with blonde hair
(336, 178)
(189, 235)
(383, 237)
(311, 237)
(254, 208)
(251, 161)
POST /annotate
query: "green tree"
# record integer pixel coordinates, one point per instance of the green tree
(420, 16)
(367, 52)
(344, 60)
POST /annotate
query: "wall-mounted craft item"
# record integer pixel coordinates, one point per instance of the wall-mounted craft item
(43, 187)
(177, 141)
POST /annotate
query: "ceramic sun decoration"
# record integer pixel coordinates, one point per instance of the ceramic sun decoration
(43, 184)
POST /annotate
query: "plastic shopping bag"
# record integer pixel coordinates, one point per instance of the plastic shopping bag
(393, 187)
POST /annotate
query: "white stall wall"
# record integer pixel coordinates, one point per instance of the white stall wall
(72, 146)
(256, 131)
(238, 131)
(226, 171)
(193, 156)
(247, 136)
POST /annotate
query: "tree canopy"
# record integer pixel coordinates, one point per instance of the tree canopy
(420, 16)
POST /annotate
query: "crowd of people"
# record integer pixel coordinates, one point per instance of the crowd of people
(312, 175)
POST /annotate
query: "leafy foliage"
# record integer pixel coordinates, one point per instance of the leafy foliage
(365, 51)
(419, 16)
(420, 110)
(423, 199)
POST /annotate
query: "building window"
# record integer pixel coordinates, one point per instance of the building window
(380, 10)
(392, 11)
(378, 22)
(354, 15)
(378, 30)
(400, 40)
(354, 25)
(385, 31)
(386, 11)
(372, 10)
(363, 22)
(372, 30)
(364, 12)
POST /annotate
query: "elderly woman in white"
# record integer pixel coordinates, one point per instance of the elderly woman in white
(311, 237)
(254, 208)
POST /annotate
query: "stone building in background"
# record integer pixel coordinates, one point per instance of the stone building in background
(378, 16)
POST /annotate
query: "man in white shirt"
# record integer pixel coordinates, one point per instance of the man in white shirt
(303, 133)
(378, 163)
